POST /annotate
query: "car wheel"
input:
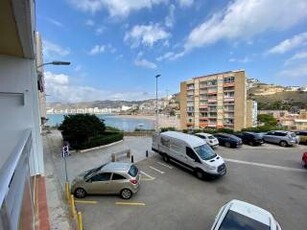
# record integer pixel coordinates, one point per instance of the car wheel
(283, 144)
(251, 143)
(227, 144)
(80, 193)
(199, 174)
(165, 158)
(126, 193)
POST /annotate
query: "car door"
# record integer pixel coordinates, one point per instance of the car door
(118, 182)
(191, 159)
(99, 183)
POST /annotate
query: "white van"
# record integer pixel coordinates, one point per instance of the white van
(190, 152)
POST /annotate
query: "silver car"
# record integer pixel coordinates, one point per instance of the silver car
(111, 178)
(283, 138)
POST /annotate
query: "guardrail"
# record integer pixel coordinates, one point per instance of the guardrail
(13, 174)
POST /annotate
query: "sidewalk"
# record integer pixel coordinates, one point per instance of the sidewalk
(57, 205)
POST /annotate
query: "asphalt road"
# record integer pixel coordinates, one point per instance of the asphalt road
(268, 176)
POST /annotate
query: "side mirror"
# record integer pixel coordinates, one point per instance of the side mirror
(89, 180)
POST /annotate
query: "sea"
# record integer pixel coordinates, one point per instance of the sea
(122, 123)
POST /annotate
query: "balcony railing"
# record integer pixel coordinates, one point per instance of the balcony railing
(13, 176)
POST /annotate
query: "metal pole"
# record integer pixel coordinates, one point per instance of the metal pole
(157, 117)
(66, 176)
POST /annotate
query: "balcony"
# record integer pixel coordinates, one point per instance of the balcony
(229, 99)
(203, 106)
(228, 84)
(212, 100)
(203, 124)
(15, 191)
(212, 92)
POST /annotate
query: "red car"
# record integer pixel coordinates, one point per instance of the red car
(304, 160)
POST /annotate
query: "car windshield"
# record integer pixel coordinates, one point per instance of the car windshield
(92, 171)
(234, 220)
(205, 152)
(133, 171)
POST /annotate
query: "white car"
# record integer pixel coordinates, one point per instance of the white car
(237, 214)
(209, 138)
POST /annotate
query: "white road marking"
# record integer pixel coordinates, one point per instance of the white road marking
(266, 165)
(165, 165)
(150, 177)
(159, 171)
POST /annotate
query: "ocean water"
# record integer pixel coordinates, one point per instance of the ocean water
(125, 124)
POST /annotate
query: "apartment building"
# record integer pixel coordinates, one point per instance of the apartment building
(216, 101)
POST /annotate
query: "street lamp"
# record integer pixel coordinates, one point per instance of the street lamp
(157, 117)
(55, 63)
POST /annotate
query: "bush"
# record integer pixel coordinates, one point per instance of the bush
(101, 140)
(164, 129)
(261, 129)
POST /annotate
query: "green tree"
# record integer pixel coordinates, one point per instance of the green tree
(267, 119)
(81, 128)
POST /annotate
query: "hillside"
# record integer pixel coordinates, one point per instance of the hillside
(286, 100)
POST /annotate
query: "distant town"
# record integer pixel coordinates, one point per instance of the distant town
(287, 104)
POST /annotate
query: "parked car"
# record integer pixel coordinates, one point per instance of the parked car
(304, 159)
(250, 138)
(240, 215)
(111, 178)
(209, 138)
(228, 140)
(190, 152)
(302, 136)
(283, 138)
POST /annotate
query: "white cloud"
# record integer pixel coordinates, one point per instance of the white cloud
(170, 56)
(60, 89)
(298, 56)
(52, 50)
(99, 30)
(290, 44)
(243, 19)
(145, 63)
(242, 60)
(55, 22)
(89, 22)
(97, 49)
(115, 8)
(146, 35)
(185, 3)
(170, 18)
(297, 72)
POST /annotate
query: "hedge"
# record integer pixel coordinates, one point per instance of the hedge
(108, 138)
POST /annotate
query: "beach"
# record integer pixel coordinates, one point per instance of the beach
(164, 120)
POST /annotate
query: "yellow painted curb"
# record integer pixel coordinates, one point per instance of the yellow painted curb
(130, 203)
(86, 201)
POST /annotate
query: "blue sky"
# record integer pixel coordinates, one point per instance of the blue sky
(117, 47)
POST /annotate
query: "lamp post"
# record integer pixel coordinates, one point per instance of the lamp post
(157, 117)
(54, 63)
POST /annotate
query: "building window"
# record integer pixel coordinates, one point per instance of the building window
(229, 79)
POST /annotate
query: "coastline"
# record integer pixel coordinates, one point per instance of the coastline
(164, 120)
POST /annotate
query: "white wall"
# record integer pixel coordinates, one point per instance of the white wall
(18, 75)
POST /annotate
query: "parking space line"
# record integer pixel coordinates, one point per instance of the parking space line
(86, 201)
(265, 165)
(131, 203)
(149, 177)
(159, 171)
(165, 165)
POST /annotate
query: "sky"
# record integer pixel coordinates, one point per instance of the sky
(117, 47)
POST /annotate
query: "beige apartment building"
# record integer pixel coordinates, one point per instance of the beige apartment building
(217, 101)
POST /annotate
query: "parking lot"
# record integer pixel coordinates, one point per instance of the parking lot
(268, 176)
